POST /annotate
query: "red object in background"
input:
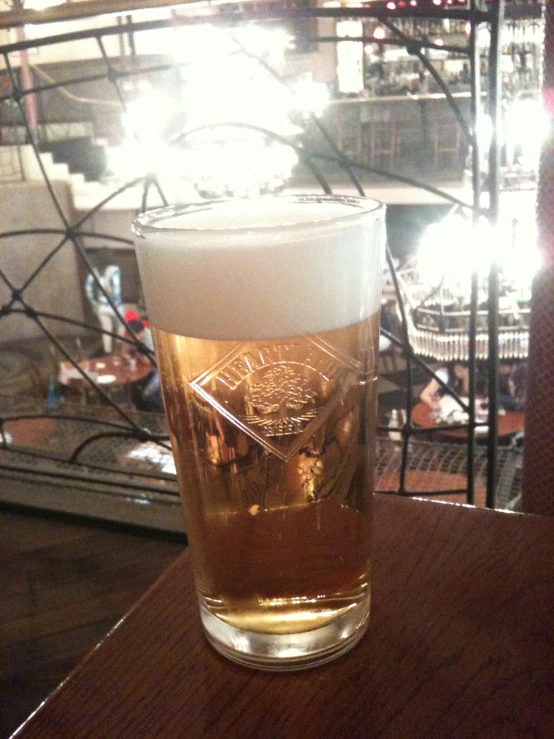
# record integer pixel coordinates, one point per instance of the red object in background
(538, 450)
(131, 315)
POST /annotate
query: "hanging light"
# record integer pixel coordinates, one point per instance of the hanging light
(438, 290)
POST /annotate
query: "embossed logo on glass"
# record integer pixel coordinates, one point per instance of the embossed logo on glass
(279, 394)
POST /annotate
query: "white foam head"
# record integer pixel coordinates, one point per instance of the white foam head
(261, 268)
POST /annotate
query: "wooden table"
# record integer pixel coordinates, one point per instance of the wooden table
(509, 423)
(432, 481)
(111, 370)
(423, 481)
(461, 644)
(30, 432)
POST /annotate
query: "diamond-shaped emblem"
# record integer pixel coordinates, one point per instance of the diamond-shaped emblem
(280, 393)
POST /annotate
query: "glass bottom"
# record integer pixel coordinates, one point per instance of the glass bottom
(287, 651)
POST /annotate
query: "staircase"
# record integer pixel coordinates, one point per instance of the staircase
(80, 155)
(77, 161)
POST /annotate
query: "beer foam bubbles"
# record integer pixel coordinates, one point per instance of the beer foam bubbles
(261, 268)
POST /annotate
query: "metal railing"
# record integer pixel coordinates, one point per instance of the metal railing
(118, 427)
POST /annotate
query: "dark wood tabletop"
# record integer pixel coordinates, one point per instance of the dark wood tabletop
(508, 423)
(423, 482)
(110, 370)
(460, 644)
(28, 432)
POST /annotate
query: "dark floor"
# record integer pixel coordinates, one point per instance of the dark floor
(63, 585)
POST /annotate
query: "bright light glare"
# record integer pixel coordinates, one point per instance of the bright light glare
(240, 168)
(521, 259)
(455, 248)
(221, 85)
(379, 32)
(527, 128)
(146, 116)
(131, 159)
(153, 454)
(311, 97)
(41, 4)
(484, 132)
(229, 86)
(235, 88)
(251, 101)
(206, 45)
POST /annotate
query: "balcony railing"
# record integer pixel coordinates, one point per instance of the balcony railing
(109, 440)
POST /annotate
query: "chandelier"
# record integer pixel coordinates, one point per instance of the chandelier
(437, 286)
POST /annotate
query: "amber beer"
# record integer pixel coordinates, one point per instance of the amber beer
(265, 323)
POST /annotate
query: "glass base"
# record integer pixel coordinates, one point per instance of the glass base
(287, 651)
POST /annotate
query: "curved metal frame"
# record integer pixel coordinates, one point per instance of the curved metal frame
(476, 14)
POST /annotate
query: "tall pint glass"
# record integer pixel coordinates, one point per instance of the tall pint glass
(265, 317)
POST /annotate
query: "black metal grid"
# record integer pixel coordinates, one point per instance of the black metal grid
(128, 426)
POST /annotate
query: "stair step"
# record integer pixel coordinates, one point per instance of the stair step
(80, 154)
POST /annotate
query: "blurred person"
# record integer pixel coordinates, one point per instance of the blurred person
(512, 385)
(454, 375)
(146, 392)
(109, 276)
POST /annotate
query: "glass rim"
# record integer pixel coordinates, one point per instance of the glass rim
(146, 223)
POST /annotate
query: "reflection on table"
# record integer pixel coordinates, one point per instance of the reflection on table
(109, 371)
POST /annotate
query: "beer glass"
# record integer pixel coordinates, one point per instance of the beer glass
(265, 318)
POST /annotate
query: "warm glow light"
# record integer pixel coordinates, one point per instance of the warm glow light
(310, 97)
(413, 3)
(222, 85)
(522, 259)
(350, 73)
(146, 116)
(484, 132)
(205, 44)
(527, 127)
(439, 42)
(379, 32)
(41, 4)
(133, 159)
(437, 2)
(468, 28)
(454, 248)
(240, 167)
